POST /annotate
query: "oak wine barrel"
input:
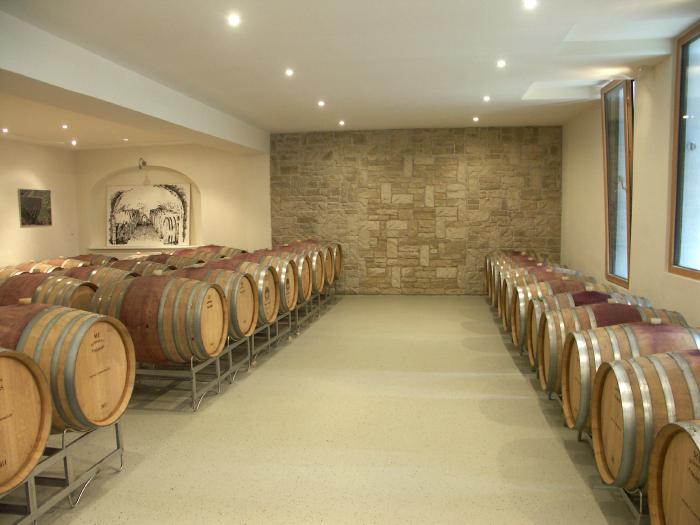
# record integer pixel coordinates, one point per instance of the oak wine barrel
(25, 417)
(674, 475)
(286, 269)
(266, 282)
(38, 267)
(9, 271)
(95, 259)
(100, 275)
(337, 252)
(632, 400)
(304, 271)
(556, 325)
(142, 267)
(171, 320)
(88, 360)
(209, 252)
(499, 269)
(318, 279)
(512, 280)
(56, 289)
(176, 261)
(241, 292)
(62, 262)
(593, 294)
(326, 252)
(586, 351)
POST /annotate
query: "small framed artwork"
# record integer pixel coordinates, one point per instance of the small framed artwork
(35, 207)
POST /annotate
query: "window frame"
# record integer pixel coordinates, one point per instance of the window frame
(629, 144)
(685, 38)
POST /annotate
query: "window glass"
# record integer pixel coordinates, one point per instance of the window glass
(617, 114)
(687, 242)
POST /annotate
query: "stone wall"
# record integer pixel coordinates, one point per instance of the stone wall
(417, 210)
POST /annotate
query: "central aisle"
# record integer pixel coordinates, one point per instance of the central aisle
(387, 410)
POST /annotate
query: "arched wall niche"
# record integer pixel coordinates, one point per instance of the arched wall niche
(149, 175)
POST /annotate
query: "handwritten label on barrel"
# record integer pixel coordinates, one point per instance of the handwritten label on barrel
(210, 304)
(103, 371)
(266, 296)
(97, 344)
(2, 385)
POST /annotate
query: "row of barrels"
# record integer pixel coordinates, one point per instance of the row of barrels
(627, 373)
(70, 339)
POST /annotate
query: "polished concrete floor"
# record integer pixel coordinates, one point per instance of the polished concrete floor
(386, 410)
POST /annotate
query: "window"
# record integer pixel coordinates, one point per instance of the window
(617, 139)
(685, 252)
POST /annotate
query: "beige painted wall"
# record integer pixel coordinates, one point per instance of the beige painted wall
(37, 167)
(583, 244)
(230, 194)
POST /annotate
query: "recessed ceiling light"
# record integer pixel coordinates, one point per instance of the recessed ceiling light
(289, 72)
(530, 4)
(234, 19)
(501, 64)
(5, 130)
(341, 123)
(476, 119)
(73, 142)
(64, 126)
(487, 98)
(321, 103)
(125, 140)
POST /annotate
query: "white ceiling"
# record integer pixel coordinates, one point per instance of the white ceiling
(34, 122)
(377, 63)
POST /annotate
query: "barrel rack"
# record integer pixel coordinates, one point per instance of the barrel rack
(636, 501)
(206, 376)
(44, 488)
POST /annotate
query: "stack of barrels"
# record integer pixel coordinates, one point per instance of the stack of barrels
(72, 329)
(627, 373)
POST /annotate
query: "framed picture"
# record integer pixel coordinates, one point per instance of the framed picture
(35, 207)
(148, 216)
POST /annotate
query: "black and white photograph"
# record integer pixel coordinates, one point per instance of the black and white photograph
(148, 216)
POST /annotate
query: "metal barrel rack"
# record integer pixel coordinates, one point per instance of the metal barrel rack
(268, 336)
(205, 377)
(57, 478)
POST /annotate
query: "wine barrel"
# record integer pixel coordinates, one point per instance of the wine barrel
(141, 267)
(632, 400)
(287, 271)
(95, 259)
(266, 281)
(25, 417)
(47, 289)
(304, 271)
(531, 276)
(593, 294)
(100, 275)
(338, 258)
(240, 290)
(176, 261)
(318, 279)
(9, 271)
(62, 262)
(210, 252)
(523, 295)
(584, 353)
(171, 320)
(498, 259)
(326, 252)
(38, 267)
(88, 360)
(674, 475)
(501, 267)
(555, 325)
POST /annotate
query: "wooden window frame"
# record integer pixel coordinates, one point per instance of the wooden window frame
(690, 35)
(629, 142)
